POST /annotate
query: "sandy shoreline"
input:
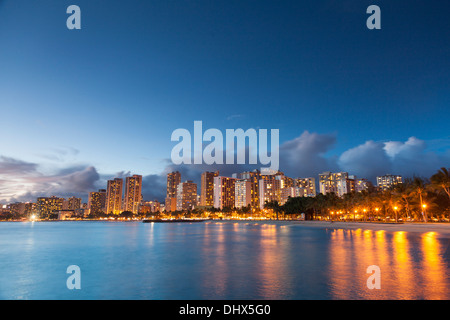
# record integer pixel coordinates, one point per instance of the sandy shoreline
(442, 229)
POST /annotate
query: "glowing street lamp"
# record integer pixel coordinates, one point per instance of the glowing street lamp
(424, 206)
(395, 209)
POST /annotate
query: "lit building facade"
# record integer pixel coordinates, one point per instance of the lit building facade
(186, 196)
(114, 192)
(149, 207)
(286, 193)
(207, 188)
(173, 180)
(242, 193)
(21, 208)
(133, 193)
(269, 189)
(48, 205)
(334, 182)
(388, 181)
(305, 187)
(72, 203)
(253, 177)
(97, 202)
(224, 192)
(363, 185)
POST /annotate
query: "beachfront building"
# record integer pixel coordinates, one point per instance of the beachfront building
(224, 192)
(388, 181)
(186, 196)
(114, 196)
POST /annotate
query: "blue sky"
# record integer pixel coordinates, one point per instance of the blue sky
(108, 96)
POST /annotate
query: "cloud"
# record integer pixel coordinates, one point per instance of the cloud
(23, 181)
(305, 156)
(409, 158)
(154, 187)
(412, 147)
(413, 157)
(368, 160)
(14, 166)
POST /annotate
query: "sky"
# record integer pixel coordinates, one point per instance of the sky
(79, 107)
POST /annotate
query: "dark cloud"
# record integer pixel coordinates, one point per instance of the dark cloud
(154, 187)
(409, 158)
(368, 160)
(305, 156)
(412, 158)
(22, 181)
(16, 167)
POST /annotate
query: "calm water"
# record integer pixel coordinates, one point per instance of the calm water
(218, 260)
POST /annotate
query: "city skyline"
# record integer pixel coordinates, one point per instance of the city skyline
(344, 98)
(116, 199)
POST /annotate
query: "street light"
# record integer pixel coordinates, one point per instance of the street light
(424, 206)
(395, 209)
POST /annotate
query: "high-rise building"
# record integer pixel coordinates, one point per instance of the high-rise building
(133, 193)
(97, 202)
(253, 177)
(149, 207)
(306, 187)
(173, 180)
(269, 189)
(242, 193)
(207, 188)
(224, 192)
(114, 192)
(333, 182)
(186, 196)
(170, 204)
(363, 185)
(72, 203)
(286, 193)
(48, 205)
(388, 181)
(21, 209)
(285, 181)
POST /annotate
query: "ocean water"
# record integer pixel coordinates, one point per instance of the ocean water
(218, 260)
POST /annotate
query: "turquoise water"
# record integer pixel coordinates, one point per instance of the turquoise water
(217, 260)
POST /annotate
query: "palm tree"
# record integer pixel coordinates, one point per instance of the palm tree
(402, 194)
(419, 189)
(387, 201)
(274, 205)
(441, 179)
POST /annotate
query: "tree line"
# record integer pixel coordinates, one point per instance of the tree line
(416, 199)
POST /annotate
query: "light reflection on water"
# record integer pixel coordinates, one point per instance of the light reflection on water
(218, 260)
(412, 266)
